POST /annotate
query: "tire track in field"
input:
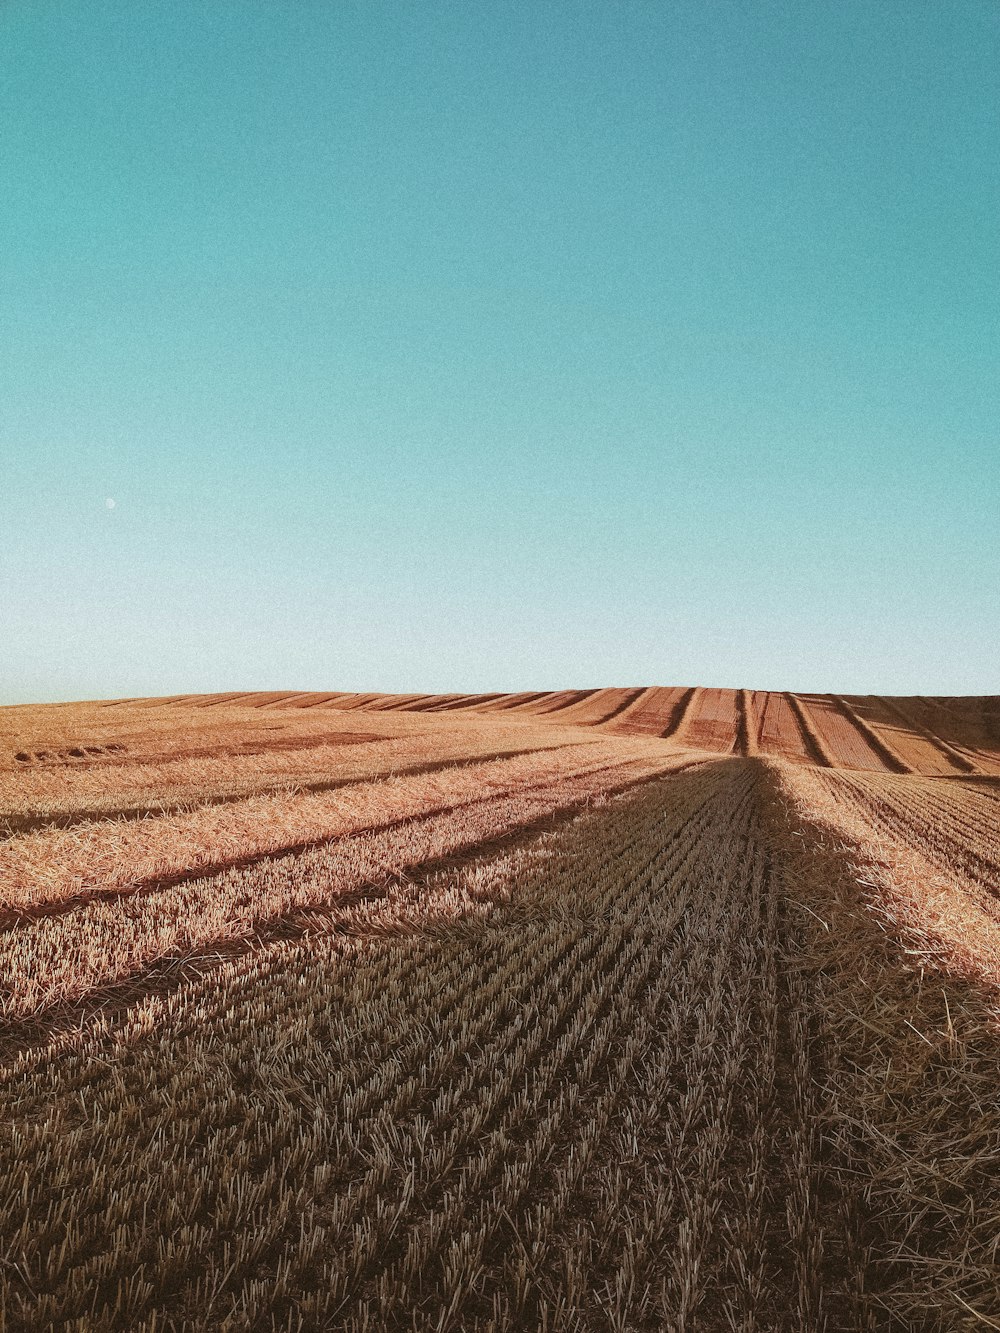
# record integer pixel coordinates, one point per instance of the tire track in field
(596, 708)
(556, 702)
(631, 696)
(507, 702)
(470, 701)
(814, 742)
(746, 725)
(677, 726)
(649, 714)
(713, 722)
(954, 757)
(892, 760)
(779, 729)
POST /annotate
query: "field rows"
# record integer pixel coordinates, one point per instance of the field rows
(51, 865)
(955, 826)
(80, 796)
(598, 1031)
(62, 947)
(919, 748)
(933, 737)
(461, 1167)
(905, 944)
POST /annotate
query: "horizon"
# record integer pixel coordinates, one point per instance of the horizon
(226, 696)
(378, 349)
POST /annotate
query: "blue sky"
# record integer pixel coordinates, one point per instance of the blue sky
(458, 347)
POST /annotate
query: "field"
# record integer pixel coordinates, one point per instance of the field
(620, 1009)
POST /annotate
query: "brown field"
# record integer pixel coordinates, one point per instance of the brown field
(614, 1009)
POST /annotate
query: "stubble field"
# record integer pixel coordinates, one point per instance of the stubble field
(623, 1009)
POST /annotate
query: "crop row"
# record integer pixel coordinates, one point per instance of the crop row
(203, 739)
(51, 865)
(953, 824)
(71, 795)
(60, 957)
(567, 1086)
(906, 969)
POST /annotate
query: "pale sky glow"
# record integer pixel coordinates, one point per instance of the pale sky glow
(448, 347)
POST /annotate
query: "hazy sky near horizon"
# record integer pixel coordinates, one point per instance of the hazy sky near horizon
(462, 347)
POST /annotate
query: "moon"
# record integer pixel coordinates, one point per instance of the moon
(109, 503)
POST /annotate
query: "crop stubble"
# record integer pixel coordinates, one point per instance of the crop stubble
(593, 1037)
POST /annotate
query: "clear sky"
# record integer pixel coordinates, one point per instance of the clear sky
(477, 347)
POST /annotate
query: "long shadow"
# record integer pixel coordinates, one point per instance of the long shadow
(12, 825)
(162, 977)
(110, 756)
(13, 918)
(966, 729)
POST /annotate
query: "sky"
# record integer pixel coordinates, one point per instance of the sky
(451, 347)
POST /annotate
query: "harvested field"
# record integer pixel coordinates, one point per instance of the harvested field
(919, 749)
(624, 1009)
(714, 721)
(844, 744)
(656, 712)
(779, 731)
(64, 796)
(921, 735)
(596, 706)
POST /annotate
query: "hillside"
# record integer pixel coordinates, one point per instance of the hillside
(913, 734)
(665, 1008)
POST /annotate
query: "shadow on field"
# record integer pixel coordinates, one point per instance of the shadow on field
(164, 976)
(906, 1045)
(12, 824)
